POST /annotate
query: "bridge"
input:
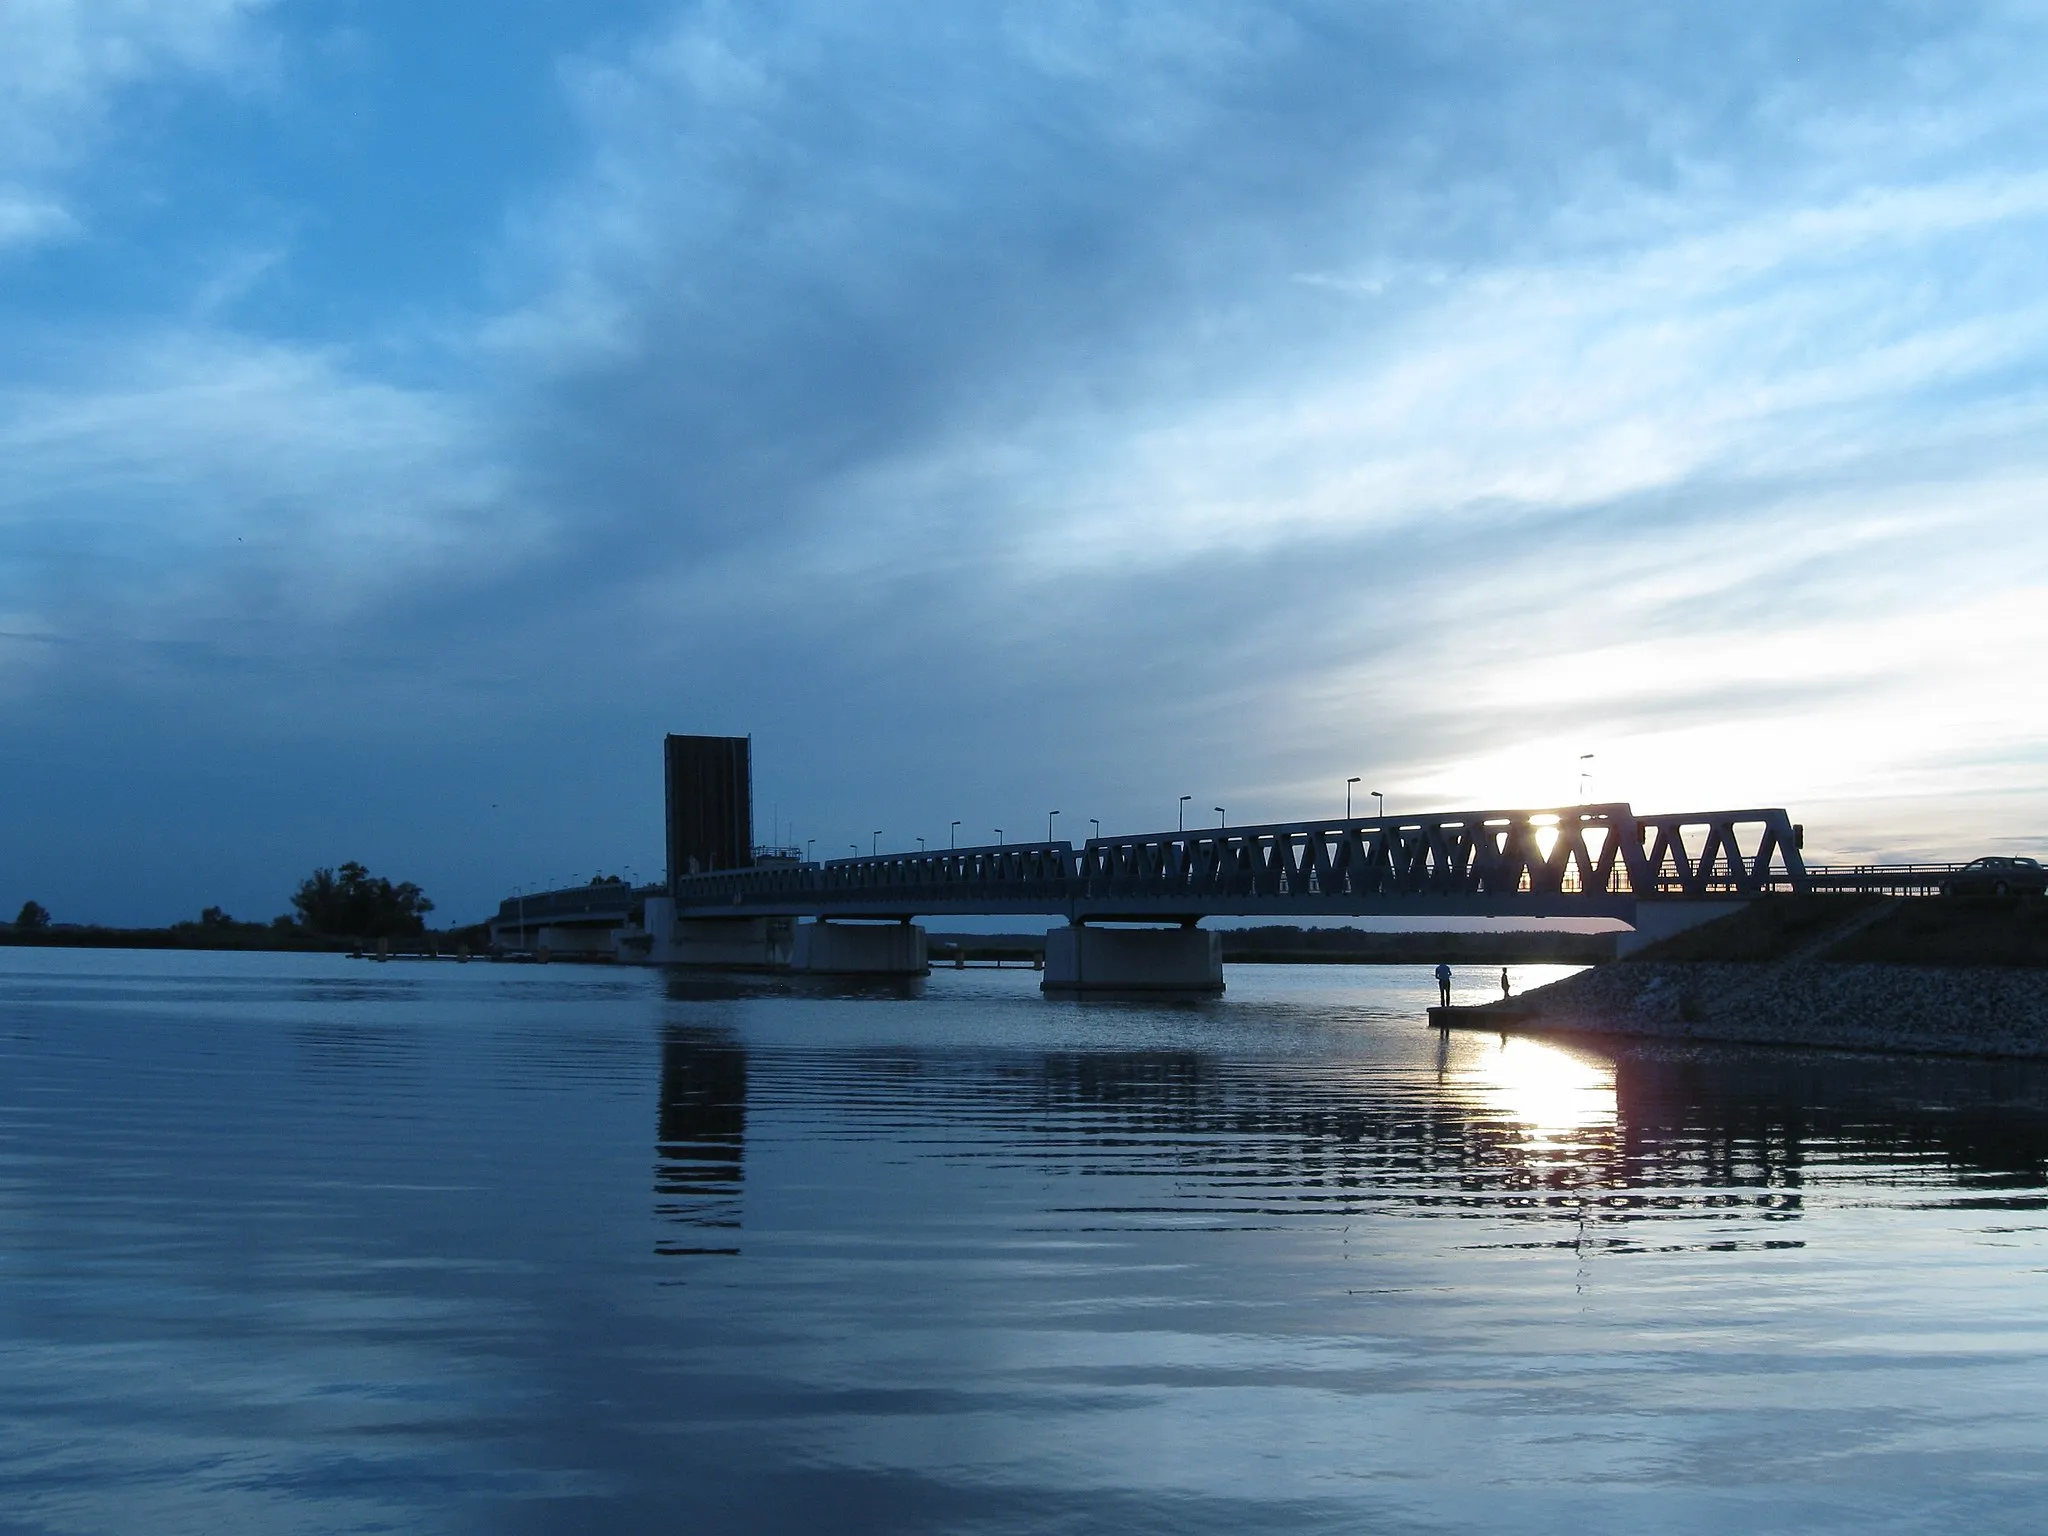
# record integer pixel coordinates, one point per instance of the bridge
(1658, 873)
(1584, 861)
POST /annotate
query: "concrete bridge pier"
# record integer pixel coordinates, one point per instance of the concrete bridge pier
(585, 943)
(1185, 961)
(824, 948)
(714, 943)
(1656, 920)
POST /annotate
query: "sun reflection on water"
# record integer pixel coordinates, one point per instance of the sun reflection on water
(1549, 1091)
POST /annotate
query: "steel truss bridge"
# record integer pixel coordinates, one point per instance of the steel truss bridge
(1579, 861)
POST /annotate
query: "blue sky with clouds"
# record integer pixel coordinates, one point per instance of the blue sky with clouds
(407, 413)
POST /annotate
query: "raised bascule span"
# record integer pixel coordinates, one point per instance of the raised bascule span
(1130, 906)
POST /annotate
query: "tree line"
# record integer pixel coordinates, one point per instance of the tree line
(344, 903)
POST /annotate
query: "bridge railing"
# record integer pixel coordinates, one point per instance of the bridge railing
(590, 902)
(1023, 870)
(1880, 879)
(1012, 871)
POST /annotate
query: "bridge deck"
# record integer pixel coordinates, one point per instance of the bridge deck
(1580, 861)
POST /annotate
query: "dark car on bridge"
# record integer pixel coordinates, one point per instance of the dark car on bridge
(1997, 876)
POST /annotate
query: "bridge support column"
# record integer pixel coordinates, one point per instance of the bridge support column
(1661, 919)
(860, 949)
(577, 940)
(713, 943)
(1186, 961)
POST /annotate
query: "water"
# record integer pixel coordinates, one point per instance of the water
(294, 1243)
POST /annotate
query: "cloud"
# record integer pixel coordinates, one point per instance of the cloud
(64, 71)
(32, 220)
(187, 477)
(952, 309)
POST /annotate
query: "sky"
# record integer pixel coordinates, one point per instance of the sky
(409, 413)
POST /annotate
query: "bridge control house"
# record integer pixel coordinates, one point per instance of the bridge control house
(1130, 908)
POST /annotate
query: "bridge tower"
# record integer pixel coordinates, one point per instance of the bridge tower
(708, 795)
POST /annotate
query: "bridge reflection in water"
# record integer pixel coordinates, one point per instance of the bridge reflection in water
(1651, 1148)
(700, 1141)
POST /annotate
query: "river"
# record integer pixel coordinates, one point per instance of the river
(299, 1243)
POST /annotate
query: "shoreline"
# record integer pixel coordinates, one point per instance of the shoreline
(1917, 976)
(1982, 1011)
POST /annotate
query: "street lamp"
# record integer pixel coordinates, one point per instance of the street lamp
(1049, 815)
(1382, 800)
(920, 845)
(953, 835)
(999, 837)
(1584, 774)
(876, 851)
(1184, 799)
(1354, 779)
(854, 849)
(1221, 819)
(1097, 825)
(809, 844)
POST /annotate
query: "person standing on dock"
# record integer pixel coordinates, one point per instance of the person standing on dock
(1503, 983)
(1443, 982)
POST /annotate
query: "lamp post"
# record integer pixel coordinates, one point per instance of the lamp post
(1382, 799)
(1584, 774)
(1049, 818)
(920, 845)
(953, 835)
(854, 849)
(809, 844)
(1222, 820)
(1097, 825)
(875, 852)
(1354, 779)
(999, 837)
(1184, 799)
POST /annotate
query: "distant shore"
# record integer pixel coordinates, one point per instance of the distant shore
(253, 937)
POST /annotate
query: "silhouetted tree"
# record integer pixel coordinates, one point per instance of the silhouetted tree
(352, 902)
(33, 917)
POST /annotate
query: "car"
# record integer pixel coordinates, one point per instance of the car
(1996, 875)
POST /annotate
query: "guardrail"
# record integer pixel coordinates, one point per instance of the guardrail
(586, 903)
(1881, 879)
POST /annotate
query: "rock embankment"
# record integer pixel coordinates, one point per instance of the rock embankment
(1946, 1010)
(1954, 977)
